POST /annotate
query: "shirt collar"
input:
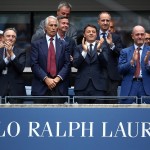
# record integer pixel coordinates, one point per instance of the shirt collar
(138, 46)
(48, 37)
(60, 37)
(100, 32)
(93, 44)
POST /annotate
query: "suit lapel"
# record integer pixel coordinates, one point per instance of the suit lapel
(131, 51)
(144, 51)
(94, 51)
(44, 50)
(1, 52)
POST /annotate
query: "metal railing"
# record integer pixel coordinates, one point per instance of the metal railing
(49, 99)
(145, 100)
(105, 99)
(76, 99)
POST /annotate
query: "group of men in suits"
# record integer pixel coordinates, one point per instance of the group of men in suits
(101, 61)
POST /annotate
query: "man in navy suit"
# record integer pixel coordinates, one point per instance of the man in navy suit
(44, 83)
(112, 47)
(12, 64)
(132, 84)
(90, 62)
(63, 25)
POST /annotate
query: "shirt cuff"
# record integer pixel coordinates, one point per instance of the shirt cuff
(60, 77)
(112, 46)
(84, 54)
(13, 57)
(6, 60)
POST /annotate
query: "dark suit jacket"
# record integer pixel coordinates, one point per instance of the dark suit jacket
(89, 68)
(14, 74)
(39, 53)
(71, 44)
(40, 33)
(112, 57)
(127, 70)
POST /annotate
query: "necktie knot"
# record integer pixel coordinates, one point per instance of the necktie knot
(104, 35)
(51, 39)
(139, 48)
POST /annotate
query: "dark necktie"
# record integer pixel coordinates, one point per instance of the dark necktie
(91, 49)
(51, 61)
(104, 36)
(137, 71)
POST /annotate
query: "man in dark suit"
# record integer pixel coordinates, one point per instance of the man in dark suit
(46, 83)
(135, 79)
(12, 64)
(90, 62)
(64, 9)
(112, 46)
(63, 25)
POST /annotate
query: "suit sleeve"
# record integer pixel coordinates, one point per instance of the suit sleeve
(118, 45)
(19, 61)
(124, 65)
(36, 62)
(65, 64)
(78, 59)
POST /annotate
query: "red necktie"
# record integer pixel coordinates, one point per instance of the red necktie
(51, 61)
(137, 71)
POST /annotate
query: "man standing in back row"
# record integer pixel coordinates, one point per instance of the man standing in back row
(64, 9)
(112, 46)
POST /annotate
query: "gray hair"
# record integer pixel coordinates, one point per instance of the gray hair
(64, 3)
(13, 29)
(46, 20)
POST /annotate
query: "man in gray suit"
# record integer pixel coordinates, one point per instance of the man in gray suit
(64, 9)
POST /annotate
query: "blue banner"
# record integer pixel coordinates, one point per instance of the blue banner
(75, 128)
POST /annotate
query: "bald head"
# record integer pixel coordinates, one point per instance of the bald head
(137, 29)
(138, 35)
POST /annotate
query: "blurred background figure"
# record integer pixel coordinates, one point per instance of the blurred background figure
(1, 38)
(147, 39)
(112, 26)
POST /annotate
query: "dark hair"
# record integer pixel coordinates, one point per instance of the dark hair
(104, 12)
(89, 25)
(62, 17)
